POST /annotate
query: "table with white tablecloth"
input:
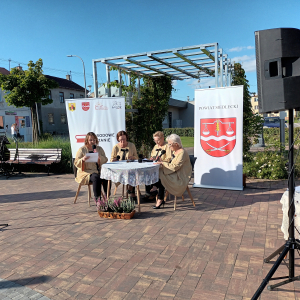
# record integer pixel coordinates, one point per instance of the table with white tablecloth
(285, 208)
(132, 173)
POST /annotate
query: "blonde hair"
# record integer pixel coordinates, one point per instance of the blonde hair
(159, 134)
(175, 139)
(86, 141)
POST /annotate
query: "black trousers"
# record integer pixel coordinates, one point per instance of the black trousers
(161, 189)
(148, 188)
(97, 181)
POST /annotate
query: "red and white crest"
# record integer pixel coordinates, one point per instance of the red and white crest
(85, 106)
(218, 136)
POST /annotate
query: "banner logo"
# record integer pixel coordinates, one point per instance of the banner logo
(218, 136)
(100, 106)
(85, 106)
(117, 105)
(72, 106)
(80, 138)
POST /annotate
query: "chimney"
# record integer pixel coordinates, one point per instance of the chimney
(68, 77)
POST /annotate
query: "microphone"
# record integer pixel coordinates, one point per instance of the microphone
(118, 157)
(140, 160)
(94, 148)
(161, 154)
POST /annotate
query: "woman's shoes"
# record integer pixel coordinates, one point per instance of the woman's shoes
(161, 204)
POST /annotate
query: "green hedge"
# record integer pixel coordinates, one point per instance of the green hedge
(188, 131)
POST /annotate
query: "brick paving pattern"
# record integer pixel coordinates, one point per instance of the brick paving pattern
(59, 250)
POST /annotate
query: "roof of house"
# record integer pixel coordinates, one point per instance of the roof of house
(177, 103)
(66, 84)
(4, 71)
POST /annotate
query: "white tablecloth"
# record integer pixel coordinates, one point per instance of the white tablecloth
(132, 173)
(285, 208)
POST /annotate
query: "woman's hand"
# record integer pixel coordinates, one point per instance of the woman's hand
(85, 158)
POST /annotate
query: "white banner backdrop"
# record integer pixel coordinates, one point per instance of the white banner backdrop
(218, 140)
(103, 116)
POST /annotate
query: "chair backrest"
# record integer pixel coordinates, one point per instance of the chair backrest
(192, 160)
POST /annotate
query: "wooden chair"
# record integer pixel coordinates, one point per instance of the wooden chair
(89, 192)
(192, 160)
(89, 189)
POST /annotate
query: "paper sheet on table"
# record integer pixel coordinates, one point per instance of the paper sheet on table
(93, 157)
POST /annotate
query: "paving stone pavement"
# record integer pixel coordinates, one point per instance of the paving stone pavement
(12, 291)
(58, 250)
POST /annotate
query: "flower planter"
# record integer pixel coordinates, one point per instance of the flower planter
(115, 215)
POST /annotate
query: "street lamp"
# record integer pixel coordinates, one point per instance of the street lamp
(83, 72)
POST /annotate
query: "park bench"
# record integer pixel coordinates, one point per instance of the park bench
(44, 157)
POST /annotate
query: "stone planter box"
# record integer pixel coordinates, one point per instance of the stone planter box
(115, 215)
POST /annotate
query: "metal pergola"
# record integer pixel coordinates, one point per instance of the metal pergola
(194, 62)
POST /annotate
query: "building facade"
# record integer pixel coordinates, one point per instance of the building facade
(53, 117)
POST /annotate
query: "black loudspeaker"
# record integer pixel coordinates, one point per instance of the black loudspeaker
(278, 69)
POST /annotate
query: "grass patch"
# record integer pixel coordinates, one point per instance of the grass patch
(187, 141)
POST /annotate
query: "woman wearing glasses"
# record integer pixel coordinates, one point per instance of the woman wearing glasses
(174, 175)
(160, 144)
(90, 171)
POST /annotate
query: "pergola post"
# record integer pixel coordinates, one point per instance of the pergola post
(139, 87)
(95, 76)
(226, 69)
(221, 67)
(216, 65)
(108, 81)
(129, 93)
(120, 82)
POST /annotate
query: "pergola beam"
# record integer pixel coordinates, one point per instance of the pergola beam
(171, 66)
(150, 68)
(203, 69)
(206, 60)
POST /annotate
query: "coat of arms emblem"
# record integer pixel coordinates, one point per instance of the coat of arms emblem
(72, 106)
(218, 136)
(85, 106)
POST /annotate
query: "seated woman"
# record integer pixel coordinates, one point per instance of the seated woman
(160, 144)
(174, 175)
(125, 150)
(90, 171)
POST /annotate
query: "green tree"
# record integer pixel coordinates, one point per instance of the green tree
(25, 88)
(152, 106)
(252, 123)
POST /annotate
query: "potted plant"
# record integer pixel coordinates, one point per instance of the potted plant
(116, 208)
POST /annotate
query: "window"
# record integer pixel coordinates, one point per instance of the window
(255, 99)
(71, 96)
(50, 96)
(50, 118)
(63, 119)
(256, 106)
(1, 122)
(61, 97)
(81, 96)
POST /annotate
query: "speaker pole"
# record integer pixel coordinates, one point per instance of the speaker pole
(291, 244)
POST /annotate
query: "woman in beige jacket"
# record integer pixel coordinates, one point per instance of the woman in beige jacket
(90, 171)
(174, 175)
(124, 150)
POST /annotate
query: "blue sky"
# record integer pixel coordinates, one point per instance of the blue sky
(51, 30)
